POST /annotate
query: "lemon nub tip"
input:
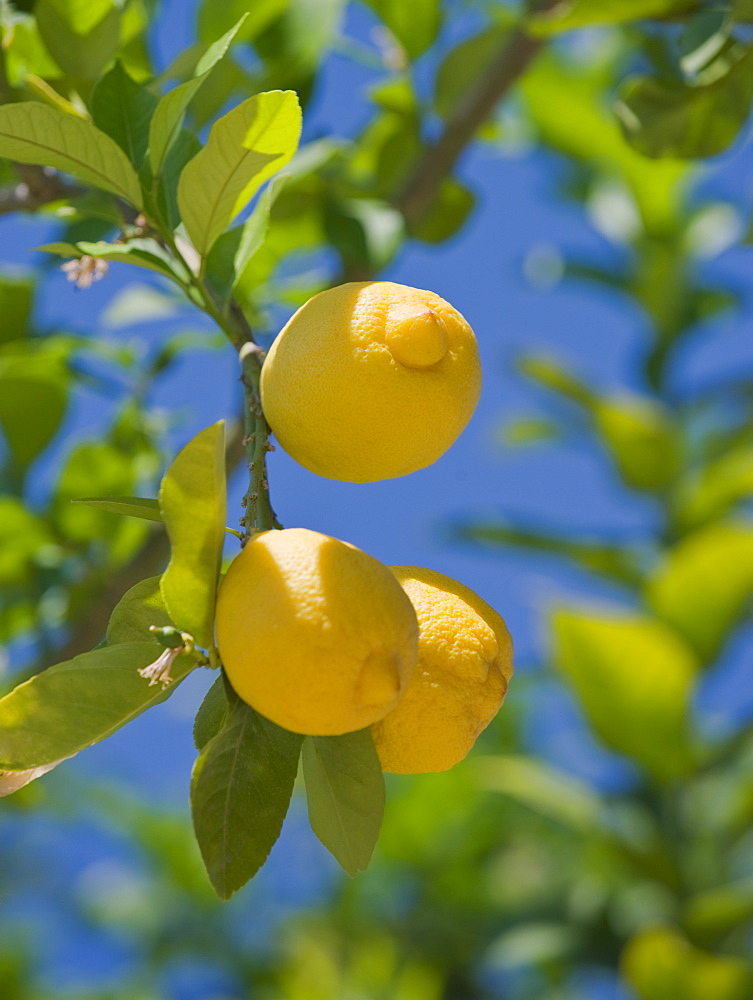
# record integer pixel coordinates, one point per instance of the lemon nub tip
(418, 341)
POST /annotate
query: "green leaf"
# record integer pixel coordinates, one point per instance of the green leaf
(569, 14)
(138, 609)
(704, 584)
(415, 25)
(464, 66)
(720, 486)
(171, 110)
(714, 913)
(214, 18)
(33, 402)
(122, 109)
(16, 303)
(22, 537)
(232, 252)
(245, 147)
(212, 714)
(143, 507)
(660, 964)
(81, 42)
(193, 502)
(642, 439)
(240, 791)
(634, 678)
(82, 701)
(367, 232)
(31, 132)
(687, 122)
(446, 213)
(548, 791)
(345, 793)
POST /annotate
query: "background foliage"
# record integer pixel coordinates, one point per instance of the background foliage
(511, 876)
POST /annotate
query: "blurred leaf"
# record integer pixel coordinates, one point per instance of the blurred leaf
(678, 120)
(642, 440)
(544, 789)
(414, 25)
(240, 791)
(717, 488)
(80, 41)
(345, 794)
(569, 14)
(446, 213)
(609, 560)
(22, 536)
(702, 39)
(215, 18)
(703, 585)
(366, 232)
(634, 678)
(212, 714)
(659, 964)
(122, 109)
(92, 464)
(138, 609)
(143, 507)
(464, 66)
(549, 373)
(31, 132)
(566, 107)
(171, 110)
(33, 402)
(530, 430)
(714, 913)
(193, 502)
(245, 147)
(16, 303)
(82, 701)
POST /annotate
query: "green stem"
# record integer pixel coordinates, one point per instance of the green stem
(258, 515)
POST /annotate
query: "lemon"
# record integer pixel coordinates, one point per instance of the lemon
(371, 380)
(313, 633)
(460, 680)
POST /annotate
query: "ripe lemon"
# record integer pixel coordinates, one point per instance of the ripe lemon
(460, 680)
(371, 380)
(313, 633)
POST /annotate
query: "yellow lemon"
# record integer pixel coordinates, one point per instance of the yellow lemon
(371, 380)
(460, 680)
(313, 633)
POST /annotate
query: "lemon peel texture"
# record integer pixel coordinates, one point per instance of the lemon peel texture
(313, 633)
(460, 681)
(371, 380)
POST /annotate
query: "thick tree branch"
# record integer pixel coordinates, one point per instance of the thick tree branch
(439, 159)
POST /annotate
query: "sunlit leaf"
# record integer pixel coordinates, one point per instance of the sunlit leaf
(244, 148)
(123, 109)
(139, 608)
(31, 132)
(193, 503)
(345, 794)
(716, 488)
(171, 110)
(82, 701)
(33, 402)
(240, 791)
(703, 585)
(642, 440)
(143, 507)
(634, 678)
